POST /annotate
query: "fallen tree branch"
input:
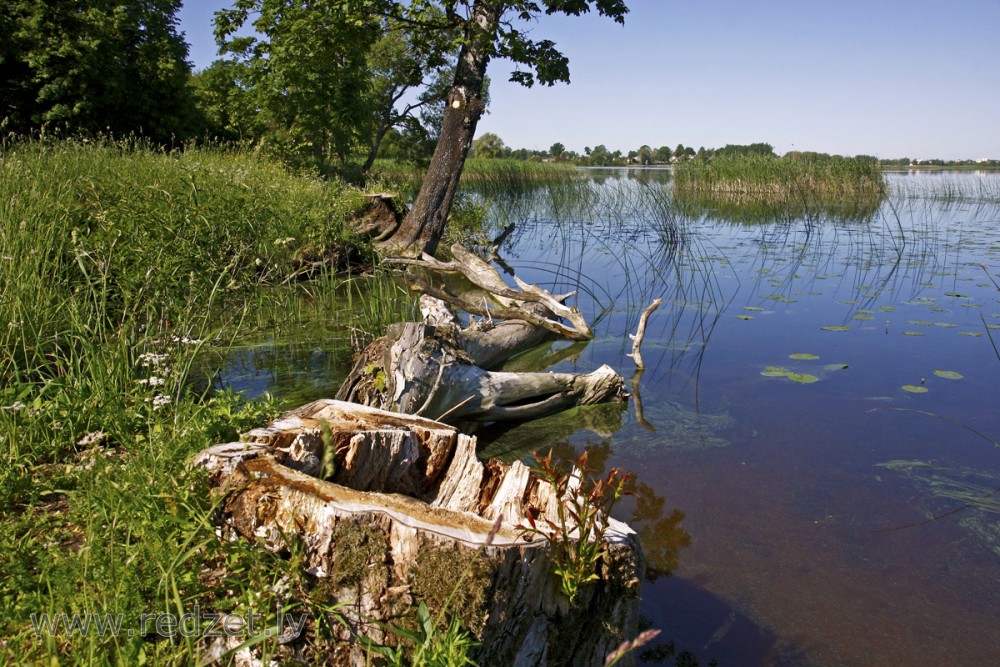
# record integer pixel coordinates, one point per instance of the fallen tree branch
(509, 301)
(641, 333)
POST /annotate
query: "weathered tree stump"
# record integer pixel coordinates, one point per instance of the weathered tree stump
(406, 513)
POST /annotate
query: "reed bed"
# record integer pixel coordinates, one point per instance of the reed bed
(778, 180)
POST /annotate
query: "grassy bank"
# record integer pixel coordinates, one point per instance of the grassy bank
(117, 264)
(782, 180)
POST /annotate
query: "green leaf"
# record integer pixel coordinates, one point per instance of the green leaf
(913, 333)
(836, 327)
(803, 356)
(744, 317)
(914, 389)
(835, 367)
(802, 378)
(949, 375)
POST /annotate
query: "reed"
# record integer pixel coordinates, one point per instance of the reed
(797, 178)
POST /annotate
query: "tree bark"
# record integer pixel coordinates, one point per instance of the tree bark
(424, 226)
(440, 517)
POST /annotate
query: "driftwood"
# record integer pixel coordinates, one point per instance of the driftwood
(431, 371)
(502, 301)
(405, 511)
(442, 370)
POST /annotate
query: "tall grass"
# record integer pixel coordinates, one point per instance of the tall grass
(117, 263)
(477, 170)
(790, 180)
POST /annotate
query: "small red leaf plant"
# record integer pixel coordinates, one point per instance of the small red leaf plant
(577, 536)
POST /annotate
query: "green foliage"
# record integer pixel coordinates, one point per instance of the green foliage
(303, 74)
(431, 646)
(96, 66)
(129, 262)
(576, 538)
(322, 83)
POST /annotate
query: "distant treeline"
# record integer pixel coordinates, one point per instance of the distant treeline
(491, 146)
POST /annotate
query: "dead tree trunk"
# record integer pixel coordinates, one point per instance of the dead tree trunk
(441, 370)
(405, 512)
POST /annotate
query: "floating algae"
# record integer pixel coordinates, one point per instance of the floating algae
(976, 493)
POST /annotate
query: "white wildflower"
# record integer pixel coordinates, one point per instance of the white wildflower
(160, 400)
(148, 359)
(92, 438)
(15, 406)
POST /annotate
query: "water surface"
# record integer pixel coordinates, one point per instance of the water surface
(834, 520)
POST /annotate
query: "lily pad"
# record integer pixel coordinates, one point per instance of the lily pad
(835, 367)
(919, 323)
(863, 317)
(836, 327)
(887, 309)
(802, 378)
(775, 372)
(753, 308)
(913, 333)
(803, 356)
(945, 325)
(973, 334)
(914, 389)
(949, 375)
(744, 317)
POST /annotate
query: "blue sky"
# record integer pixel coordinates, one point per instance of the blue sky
(914, 79)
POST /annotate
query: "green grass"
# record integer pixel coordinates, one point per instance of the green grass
(797, 180)
(477, 170)
(118, 263)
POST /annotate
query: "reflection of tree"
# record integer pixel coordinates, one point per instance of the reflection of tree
(662, 535)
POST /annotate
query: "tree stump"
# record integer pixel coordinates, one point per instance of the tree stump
(405, 513)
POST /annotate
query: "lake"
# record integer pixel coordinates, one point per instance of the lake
(819, 481)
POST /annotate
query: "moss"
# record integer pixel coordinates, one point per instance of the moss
(359, 554)
(435, 577)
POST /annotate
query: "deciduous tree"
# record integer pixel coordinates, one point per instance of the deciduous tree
(488, 29)
(95, 66)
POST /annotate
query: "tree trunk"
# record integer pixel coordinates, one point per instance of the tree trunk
(409, 514)
(425, 224)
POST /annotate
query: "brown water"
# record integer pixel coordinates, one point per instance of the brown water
(826, 523)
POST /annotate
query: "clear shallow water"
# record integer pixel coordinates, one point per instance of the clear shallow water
(800, 524)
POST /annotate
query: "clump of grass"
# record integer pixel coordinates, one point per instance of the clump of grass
(797, 179)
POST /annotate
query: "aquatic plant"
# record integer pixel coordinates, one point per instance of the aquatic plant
(756, 188)
(577, 536)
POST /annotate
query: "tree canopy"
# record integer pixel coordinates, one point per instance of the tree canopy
(95, 66)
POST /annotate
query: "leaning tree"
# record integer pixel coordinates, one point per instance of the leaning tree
(488, 29)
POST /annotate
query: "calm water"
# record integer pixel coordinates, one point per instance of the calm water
(835, 521)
